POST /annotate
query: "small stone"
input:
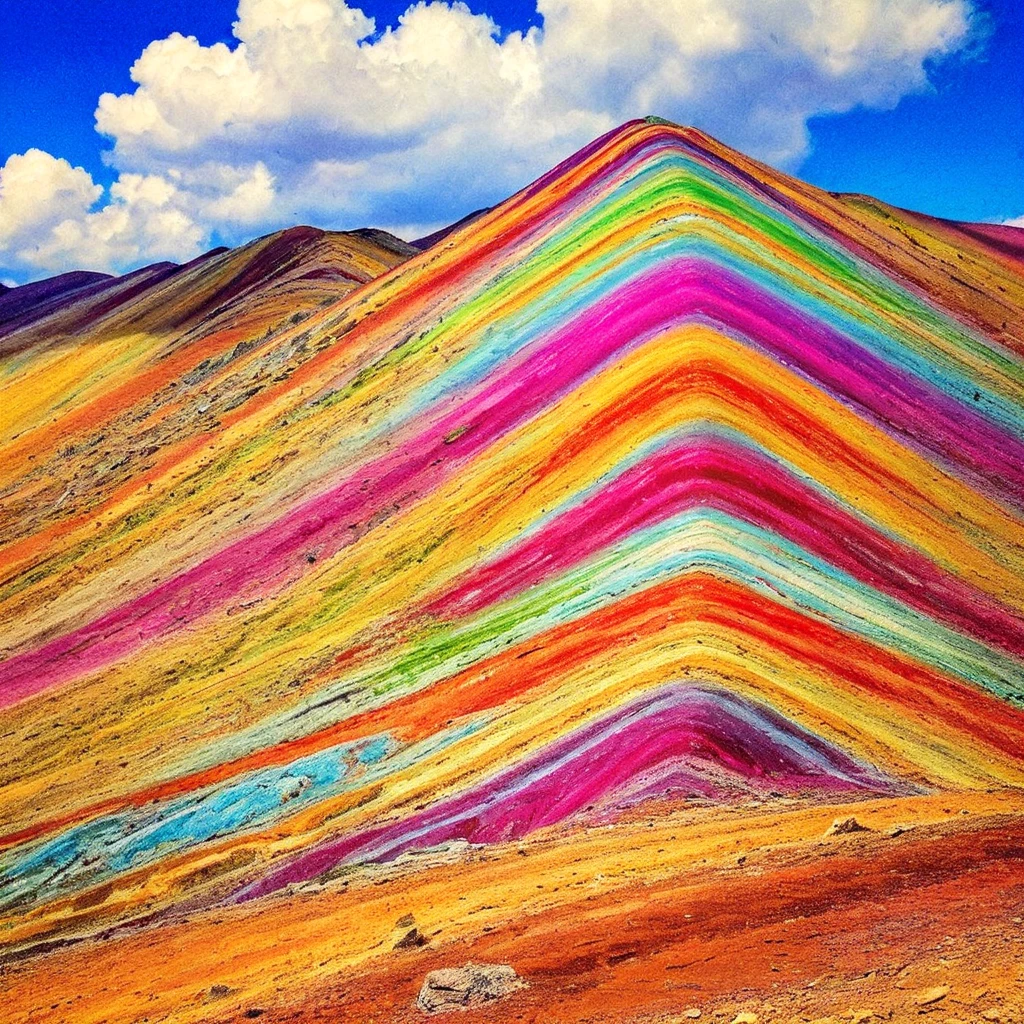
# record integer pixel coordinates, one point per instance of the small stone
(992, 1015)
(412, 939)
(746, 1017)
(458, 988)
(860, 1016)
(218, 992)
(904, 979)
(405, 921)
(692, 1013)
(932, 995)
(846, 826)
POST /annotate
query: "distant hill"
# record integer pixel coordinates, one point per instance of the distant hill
(167, 296)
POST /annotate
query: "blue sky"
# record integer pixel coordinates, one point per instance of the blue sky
(321, 117)
(62, 54)
(955, 150)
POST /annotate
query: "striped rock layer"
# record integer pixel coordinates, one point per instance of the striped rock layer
(669, 481)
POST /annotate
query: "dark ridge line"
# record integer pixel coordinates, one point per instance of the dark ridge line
(424, 243)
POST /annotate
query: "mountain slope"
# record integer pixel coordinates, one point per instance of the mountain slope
(132, 366)
(668, 485)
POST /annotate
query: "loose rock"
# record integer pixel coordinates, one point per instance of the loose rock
(932, 995)
(412, 939)
(460, 988)
(845, 826)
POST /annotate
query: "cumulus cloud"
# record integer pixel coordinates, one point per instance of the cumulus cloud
(51, 217)
(47, 220)
(37, 192)
(315, 115)
(143, 221)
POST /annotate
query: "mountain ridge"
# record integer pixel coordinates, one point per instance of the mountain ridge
(652, 441)
(331, 254)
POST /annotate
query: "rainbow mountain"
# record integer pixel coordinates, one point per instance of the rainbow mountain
(635, 530)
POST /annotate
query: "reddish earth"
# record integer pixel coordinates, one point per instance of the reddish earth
(874, 926)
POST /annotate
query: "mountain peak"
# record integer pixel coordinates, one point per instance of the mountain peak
(655, 518)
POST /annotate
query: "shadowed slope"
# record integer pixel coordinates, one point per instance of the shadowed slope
(110, 382)
(21, 306)
(82, 307)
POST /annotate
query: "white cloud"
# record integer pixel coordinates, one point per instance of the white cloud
(38, 191)
(47, 222)
(144, 221)
(315, 116)
(242, 197)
